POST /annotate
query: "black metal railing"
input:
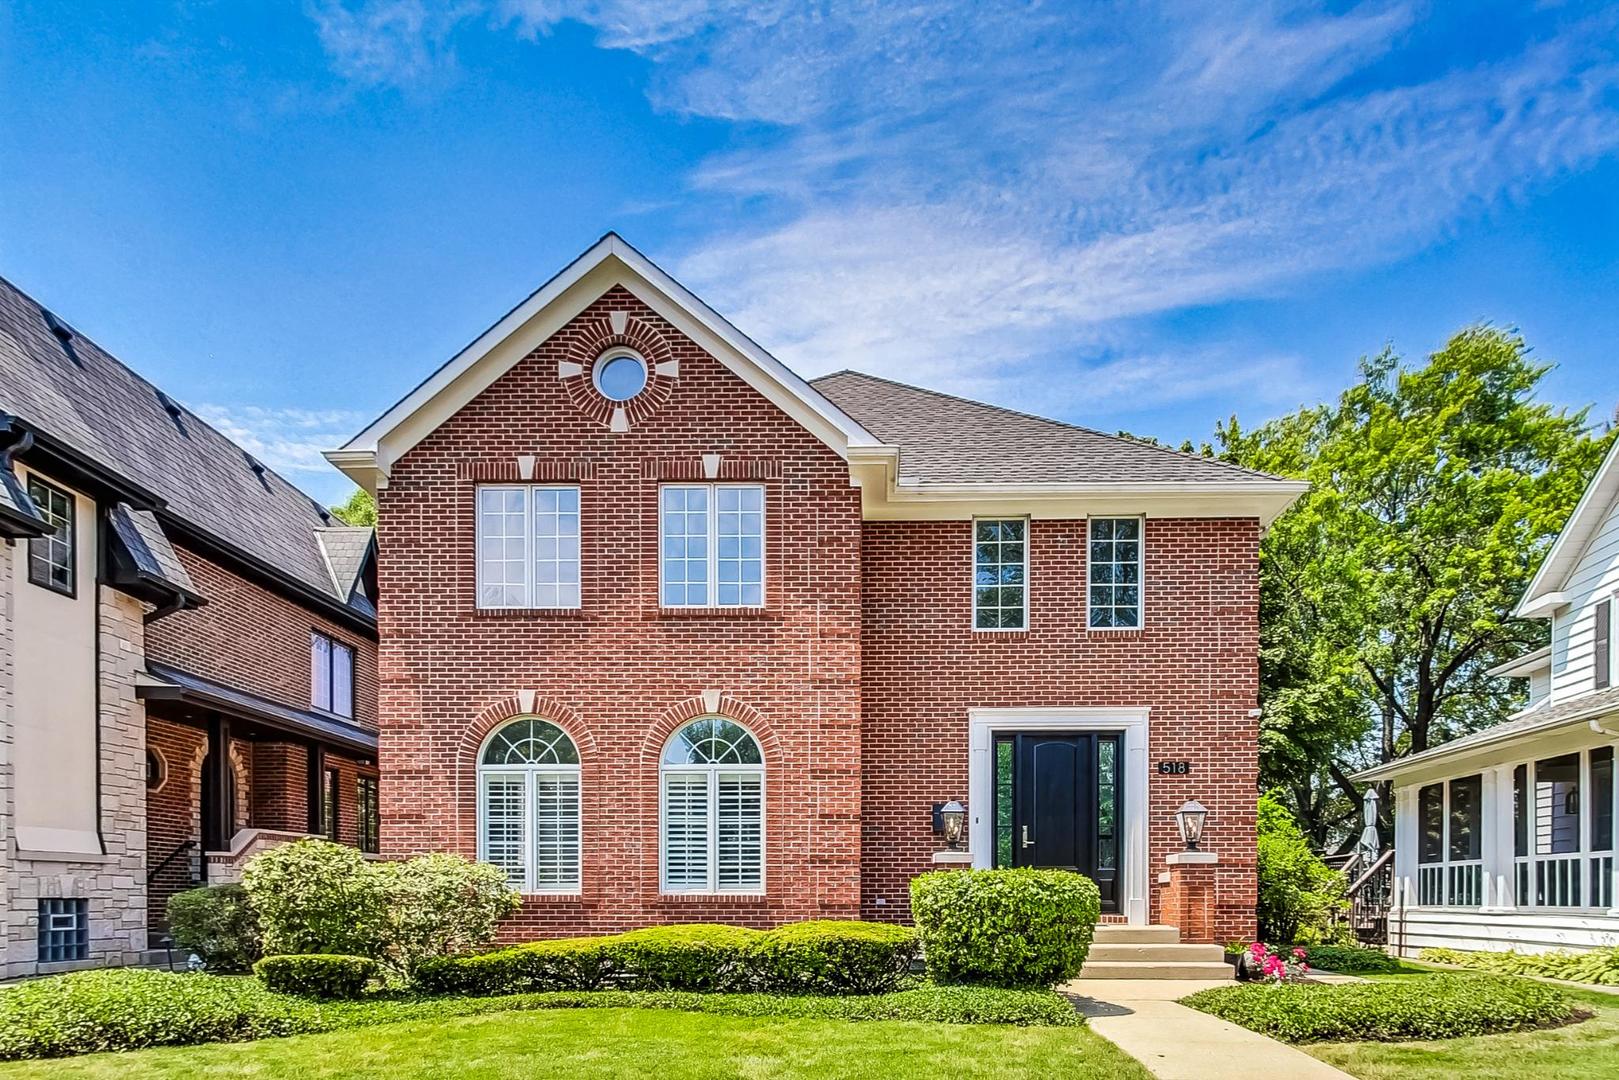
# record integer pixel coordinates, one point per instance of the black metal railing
(1370, 896)
(184, 846)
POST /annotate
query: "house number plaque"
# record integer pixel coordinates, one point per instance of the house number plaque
(1174, 768)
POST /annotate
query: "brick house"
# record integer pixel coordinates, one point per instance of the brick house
(673, 634)
(187, 654)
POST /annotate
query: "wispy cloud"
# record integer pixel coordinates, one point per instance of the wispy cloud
(289, 441)
(972, 194)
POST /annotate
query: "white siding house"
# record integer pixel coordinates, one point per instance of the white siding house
(1505, 839)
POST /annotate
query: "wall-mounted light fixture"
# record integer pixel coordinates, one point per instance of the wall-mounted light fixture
(1190, 818)
(950, 822)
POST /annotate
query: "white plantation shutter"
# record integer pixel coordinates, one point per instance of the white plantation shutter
(504, 825)
(556, 830)
(740, 831)
(686, 805)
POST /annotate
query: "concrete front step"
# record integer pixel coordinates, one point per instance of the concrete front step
(1111, 934)
(1202, 971)
(1175, 954)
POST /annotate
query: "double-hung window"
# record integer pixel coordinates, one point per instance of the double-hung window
(528, 546)
(331, 674)
(1115, 564)
(50, 557)
(1001, 574)
(712, 782)
(711, 543)
(528, 806)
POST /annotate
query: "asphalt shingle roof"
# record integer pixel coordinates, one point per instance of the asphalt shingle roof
(951, 440)
(149, 546)
(61, 383)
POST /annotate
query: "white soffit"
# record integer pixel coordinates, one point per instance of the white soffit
(611, 261)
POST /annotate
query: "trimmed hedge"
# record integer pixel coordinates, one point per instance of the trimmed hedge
(1599, 966)
(127, 1009)
(218, 924)
(317, 975)
(823, 957)
(1016, 927)
(1426, 1007)
(1349, 958)
(831, 956)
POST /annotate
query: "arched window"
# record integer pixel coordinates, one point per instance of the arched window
(528, 805)
(712, 794)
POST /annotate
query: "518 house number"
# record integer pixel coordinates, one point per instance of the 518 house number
(1174, 768)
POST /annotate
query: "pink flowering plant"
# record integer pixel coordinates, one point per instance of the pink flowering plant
(1267, 966)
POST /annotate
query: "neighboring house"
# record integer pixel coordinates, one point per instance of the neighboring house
(187, 654)
(672, 634)
(1504, 839)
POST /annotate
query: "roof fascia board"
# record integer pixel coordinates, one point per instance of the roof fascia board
(1560, 561)
(1546, 740)
(609, 262)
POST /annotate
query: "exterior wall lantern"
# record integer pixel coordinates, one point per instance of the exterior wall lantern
(1190, 818)
(950, 821)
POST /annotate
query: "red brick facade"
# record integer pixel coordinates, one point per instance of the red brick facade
(1194, 664)
(254, 639)
(856, 674)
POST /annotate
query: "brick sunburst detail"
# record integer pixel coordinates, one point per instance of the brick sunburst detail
(593, 337)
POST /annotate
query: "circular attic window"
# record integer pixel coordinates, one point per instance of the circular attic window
(619, 374)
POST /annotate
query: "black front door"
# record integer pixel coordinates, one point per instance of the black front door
(1058, 804)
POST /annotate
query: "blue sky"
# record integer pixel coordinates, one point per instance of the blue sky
(1141, 216)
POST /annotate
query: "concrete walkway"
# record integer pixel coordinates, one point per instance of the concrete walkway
(1142, 1018)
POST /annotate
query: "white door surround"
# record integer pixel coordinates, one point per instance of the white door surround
(982, 726)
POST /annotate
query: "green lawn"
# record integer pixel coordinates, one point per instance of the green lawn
(1584, 1051)
(625, 1043)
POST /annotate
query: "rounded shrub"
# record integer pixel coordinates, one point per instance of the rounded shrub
(1016, 927)
(565, 964)
(317, 975)
(832, 957)
(1429, 1007)
(314, 896)
(218, 924)
(129, 1008)
(698, 956)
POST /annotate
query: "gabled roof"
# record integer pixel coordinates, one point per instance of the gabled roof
(952, 440)
(1544, 594)
(64, 388)
(346, 548)
(611, 261)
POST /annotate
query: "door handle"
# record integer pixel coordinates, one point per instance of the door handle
(1026, 841)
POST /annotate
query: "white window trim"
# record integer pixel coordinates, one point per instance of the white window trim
(1028, 584)
(528, 773)
(712, 555)
(1141, 576)
(1133, 765)
(528, 525)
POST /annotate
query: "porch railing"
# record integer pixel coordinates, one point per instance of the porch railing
(1451, 884)
(1564, 881)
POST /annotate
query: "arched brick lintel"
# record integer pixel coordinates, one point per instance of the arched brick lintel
(683, 712)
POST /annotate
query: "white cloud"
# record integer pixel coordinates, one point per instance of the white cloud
(289, 441)
(962, 194)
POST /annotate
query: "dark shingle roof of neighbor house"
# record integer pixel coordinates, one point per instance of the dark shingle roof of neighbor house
(945, 439)
(60, 383)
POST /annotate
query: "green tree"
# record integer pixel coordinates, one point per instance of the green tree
(1386, 591)
(361, 509)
